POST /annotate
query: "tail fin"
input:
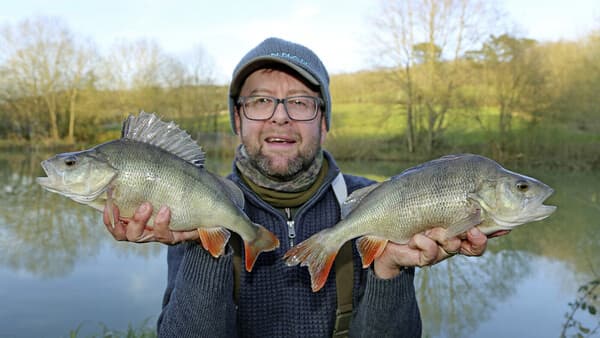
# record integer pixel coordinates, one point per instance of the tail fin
(315, 254)
(264, 241)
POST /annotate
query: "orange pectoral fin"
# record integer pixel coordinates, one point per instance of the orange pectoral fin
(214, 239)
(370, 248)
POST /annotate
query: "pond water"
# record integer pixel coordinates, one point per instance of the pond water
(61, 272)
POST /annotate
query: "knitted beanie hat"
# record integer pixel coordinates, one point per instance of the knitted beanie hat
(277, 51)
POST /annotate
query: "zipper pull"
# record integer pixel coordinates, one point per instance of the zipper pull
(291, 226)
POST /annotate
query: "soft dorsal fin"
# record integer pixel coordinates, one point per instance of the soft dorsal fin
(148, 128)
(354, 199)
(234, 193)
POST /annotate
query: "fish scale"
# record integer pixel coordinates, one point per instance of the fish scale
(157, 162)
(456, 192)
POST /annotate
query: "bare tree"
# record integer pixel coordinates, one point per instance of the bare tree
(41, 62)
(425, 41)
(78, 75)
(139, 72)
(512, 72)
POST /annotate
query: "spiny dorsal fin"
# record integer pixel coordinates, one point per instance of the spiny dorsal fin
(148, 128)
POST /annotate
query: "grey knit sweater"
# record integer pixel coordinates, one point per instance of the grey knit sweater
(276, 300)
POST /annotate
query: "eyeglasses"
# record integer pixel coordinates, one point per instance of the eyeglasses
(298, 108)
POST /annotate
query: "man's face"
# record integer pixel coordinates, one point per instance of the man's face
(279, 147)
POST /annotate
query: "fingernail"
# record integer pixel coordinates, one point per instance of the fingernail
(142, 208)
(162, 211)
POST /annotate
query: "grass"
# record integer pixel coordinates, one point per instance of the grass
(376, 131)
(145, 329)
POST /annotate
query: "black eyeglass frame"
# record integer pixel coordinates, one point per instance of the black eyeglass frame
(319, 103)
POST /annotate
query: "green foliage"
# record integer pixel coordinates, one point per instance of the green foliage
(512, 99)
(144, 330)
(586, 302)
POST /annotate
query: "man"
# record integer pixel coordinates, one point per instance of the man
(281, 109)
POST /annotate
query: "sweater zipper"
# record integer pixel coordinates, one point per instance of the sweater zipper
(291, 226)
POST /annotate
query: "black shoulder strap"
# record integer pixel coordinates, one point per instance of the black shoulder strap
(344, 271)
(236, 244)
(344, 283)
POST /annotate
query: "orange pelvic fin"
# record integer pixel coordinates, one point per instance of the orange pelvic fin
(214, 239)
(370, 247)
(264, 241)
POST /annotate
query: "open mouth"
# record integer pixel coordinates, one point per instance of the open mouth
(543, 210)
(279, 140)
(49, 180)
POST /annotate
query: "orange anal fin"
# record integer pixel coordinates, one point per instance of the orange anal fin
(214, 239)
(264, 241)
(370, 247)
(319, 271)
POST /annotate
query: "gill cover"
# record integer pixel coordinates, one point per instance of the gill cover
(80, 176)
(512, 199)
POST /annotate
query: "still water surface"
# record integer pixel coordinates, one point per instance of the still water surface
(61, 271)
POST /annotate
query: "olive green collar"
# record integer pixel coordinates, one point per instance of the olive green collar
(280, 199)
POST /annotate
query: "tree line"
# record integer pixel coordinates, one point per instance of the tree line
(438, 59)
(460, 56)
(55, 85)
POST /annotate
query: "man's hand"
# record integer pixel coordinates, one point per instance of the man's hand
(136, 228)
(428, 248)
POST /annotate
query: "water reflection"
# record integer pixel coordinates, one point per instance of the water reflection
(43, 233)
(570, 236)
(47, 237)
(458, 294)
(459, 297)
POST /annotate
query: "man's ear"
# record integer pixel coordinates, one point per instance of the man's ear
(237, 121)
(323, 129)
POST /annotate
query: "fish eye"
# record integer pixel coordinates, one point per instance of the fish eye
(70, 161)
(522, 186)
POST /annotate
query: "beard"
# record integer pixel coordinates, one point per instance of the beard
(277, 167)
(293, 167)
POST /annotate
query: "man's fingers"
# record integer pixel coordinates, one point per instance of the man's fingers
(475, 244)
(182, 236)
(118, 231)
(162, 232)
(136, 228)
(427, 248)
(137, 224)
(449, 246)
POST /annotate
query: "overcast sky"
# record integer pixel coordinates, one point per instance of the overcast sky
(335, 29)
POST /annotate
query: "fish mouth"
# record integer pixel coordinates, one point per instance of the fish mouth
(542, 211)
(529, 211)
(48, 182)
(55, 182)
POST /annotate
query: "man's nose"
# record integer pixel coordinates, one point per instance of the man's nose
(280, 115)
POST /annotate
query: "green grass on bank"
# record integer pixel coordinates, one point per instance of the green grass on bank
(374, 131)
(377, 132)
(145, 329)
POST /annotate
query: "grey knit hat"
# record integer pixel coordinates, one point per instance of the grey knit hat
(277, 51)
